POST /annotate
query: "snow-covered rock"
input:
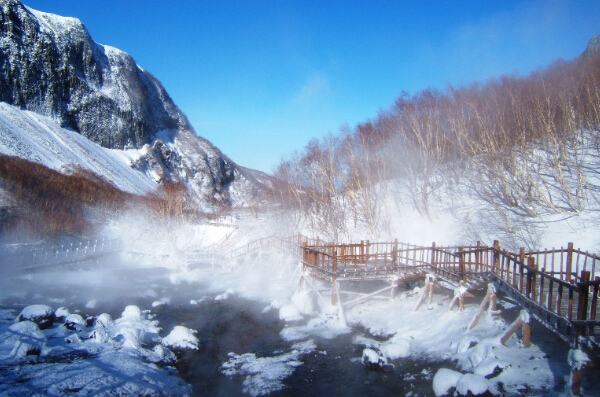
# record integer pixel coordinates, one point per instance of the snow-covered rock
(444, 380)
(134, 328)
(181, 338)
(104, 321)
(375, 360)
(42, 315)
(395, 348)
(26, 339)
(290, 313)
(476, 385)
(75, 322)
(61, 313)
(480, 353)
(490, 367)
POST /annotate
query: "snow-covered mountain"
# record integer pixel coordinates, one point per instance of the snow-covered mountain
(50, 66)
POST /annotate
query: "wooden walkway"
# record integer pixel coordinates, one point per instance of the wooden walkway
(558, 286)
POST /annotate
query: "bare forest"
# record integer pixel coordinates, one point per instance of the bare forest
(522, 144)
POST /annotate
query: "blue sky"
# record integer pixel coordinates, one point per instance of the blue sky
(260, 78)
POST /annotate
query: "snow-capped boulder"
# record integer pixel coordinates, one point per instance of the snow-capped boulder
(164, 355)
(395, 348)
(104, 321)
(490, 367)
(181, 338)
(480, 353)
(444, 381)
(27, 339)
(61, 313)
(290, 313)
(42, 315)
(75, 322)
(134, 329)
(374, 360)
(131, 312)
(99, 335)
(472, 385)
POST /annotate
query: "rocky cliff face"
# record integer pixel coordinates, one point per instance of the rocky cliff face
(50, 65)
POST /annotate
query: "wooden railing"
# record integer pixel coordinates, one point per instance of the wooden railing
(39, 256)
(556, 283)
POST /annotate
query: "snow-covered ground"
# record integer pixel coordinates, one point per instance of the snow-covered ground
(172, 254)
(94, 355)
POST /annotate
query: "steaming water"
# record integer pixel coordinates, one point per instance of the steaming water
(233, 325)
(332, 369)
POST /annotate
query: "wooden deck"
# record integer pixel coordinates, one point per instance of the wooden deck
(555, 285)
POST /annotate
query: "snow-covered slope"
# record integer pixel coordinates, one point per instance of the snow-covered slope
(37, 138)
(51, 66)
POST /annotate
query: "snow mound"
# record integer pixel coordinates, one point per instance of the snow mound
(75, 322)
(181, 338)
(104, 321)
(395, 348)
(474, 384)
(61, 313)
(444, 380)
(135, 329)
(490, 366)
(26, 339)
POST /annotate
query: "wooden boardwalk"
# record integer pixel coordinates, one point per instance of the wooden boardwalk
(557, 286)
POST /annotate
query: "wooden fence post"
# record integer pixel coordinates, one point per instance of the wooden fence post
(461, 263)
(496, 263)
(530, 287)
(362, 251)
(594, 304)
(569, 261)
(584, 291)
(395, 253)
(334, 289)
(304, 252)
(478, 258)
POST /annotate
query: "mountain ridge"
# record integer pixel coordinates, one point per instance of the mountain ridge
(50, 65)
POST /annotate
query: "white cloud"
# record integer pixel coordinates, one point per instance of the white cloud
(315, 89)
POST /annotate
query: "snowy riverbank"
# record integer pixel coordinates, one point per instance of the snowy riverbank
(47, 352)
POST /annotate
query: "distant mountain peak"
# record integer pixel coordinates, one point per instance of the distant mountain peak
(593, 47)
